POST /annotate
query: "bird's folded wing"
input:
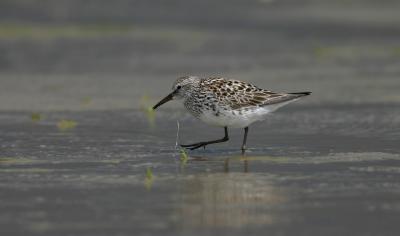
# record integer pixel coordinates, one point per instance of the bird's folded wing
(238, 95)
(263, 98)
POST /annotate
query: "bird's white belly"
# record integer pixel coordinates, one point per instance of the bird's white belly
(235, 119)
(239, 118)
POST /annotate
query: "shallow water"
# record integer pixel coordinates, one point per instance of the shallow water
(115, 173)
(80, 153)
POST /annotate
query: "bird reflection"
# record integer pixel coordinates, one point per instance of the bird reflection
(227, 161)
(230, 199)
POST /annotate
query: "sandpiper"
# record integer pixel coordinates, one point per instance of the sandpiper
(226, 103)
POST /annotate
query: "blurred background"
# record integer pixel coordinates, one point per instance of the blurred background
(96, 55)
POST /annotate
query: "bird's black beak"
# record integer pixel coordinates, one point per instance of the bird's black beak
(164, 100)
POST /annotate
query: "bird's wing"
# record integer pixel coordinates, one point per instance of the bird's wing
(237, 94)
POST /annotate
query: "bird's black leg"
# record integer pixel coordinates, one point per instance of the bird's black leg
(204, 144)
(246, 130)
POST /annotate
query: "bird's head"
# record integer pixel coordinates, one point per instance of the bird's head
(182, 88)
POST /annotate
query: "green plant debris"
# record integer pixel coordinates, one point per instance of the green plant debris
(149, 173)
(150, 115)
(35, 117)
(148, 182)
(183, 156)
(65, 125)
(11, 160)
(147, 108)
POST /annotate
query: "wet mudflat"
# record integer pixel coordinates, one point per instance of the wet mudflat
(81, 154)
(117, 172)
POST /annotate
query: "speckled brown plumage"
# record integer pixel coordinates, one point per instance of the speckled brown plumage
(237, 94)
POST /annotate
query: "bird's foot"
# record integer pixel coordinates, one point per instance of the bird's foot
(194, 146)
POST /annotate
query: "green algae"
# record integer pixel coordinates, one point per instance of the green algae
(64, 125)
(149, 179)
(183, 157)
(12, 160)
(147, 109)
(36, 117)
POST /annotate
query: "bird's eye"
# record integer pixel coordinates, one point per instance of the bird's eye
(179, 87)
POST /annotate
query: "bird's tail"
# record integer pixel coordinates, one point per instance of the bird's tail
(301, 93)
